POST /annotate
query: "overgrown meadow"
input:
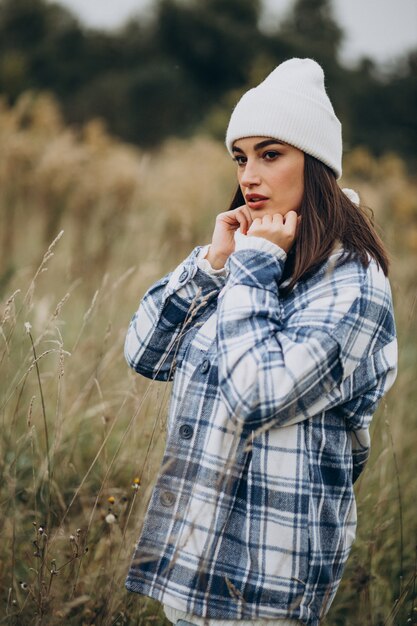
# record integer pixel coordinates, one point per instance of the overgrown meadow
(87, 224)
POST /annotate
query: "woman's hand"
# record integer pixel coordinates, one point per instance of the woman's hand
(223, 242)
(280, 229)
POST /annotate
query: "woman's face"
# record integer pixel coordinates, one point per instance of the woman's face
(270, 175)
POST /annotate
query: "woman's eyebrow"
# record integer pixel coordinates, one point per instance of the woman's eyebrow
(261, 144)
(268, 142)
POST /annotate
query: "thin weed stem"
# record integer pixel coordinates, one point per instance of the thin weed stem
(45, 426)
(413, 595)
(400, 601)
(29, 293)
(400, 505)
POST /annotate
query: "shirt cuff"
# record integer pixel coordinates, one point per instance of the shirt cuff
(204, 265)
(245, 242)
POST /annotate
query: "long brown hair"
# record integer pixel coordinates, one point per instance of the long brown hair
(327, 216)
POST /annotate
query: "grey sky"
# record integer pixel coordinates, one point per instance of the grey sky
(380, 29)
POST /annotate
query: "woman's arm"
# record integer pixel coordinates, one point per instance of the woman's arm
(280, 371)
(157, 333)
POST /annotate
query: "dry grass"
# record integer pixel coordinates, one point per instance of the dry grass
(81, 436)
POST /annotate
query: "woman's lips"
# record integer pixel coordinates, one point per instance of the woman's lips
(255, 201)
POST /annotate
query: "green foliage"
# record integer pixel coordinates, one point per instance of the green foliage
(182, 66)
(312, 28)
(214, 41)
(388, 110)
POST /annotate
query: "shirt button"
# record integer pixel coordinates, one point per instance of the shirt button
(186, 431)
(183, 276)
(167, 498)
(204, 367)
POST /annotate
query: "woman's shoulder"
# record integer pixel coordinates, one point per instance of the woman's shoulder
(369, 277)
(341, 297)
(345, 267)
(341, 278)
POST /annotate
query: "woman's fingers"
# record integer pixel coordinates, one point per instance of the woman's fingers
(244, 209)
(280, 229)
(256, 224)
(243, 221)
(298, 225)
(236, 218)
(227, 222)
(290, 221)
(244, 218)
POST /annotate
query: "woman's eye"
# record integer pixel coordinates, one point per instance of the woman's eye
(270, 155)
(240, 160)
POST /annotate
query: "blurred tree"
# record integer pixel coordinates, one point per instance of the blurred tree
(163, 102)
(312, 29)
(23, 24)
(198, 52)
(184, 66)
(383, 108)
(49, 43)
(215, 41)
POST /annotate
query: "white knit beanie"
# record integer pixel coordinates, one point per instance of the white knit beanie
(291, 105)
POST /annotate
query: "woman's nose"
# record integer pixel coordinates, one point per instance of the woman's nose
(250, 175)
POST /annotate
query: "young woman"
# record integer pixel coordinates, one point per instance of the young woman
(280, 339)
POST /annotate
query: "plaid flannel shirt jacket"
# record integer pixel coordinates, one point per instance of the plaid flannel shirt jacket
(253, 512)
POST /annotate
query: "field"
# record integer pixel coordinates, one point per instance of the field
(86, 225)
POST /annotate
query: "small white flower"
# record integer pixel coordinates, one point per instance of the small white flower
(110, 518)
(28, 327)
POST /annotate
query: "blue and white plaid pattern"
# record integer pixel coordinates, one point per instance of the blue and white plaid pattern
(253, 513)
